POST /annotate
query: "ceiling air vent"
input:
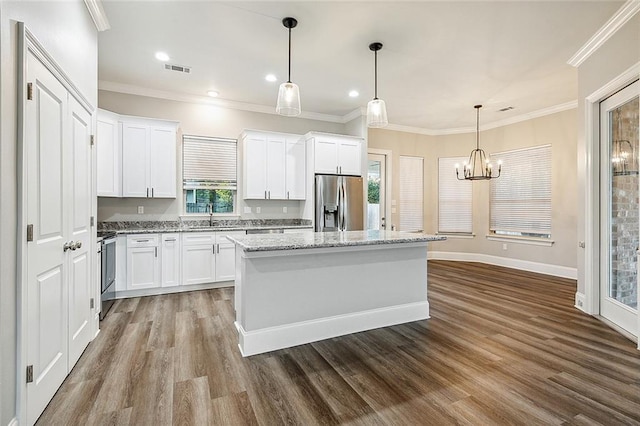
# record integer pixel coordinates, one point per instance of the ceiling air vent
(505, 109)
(178, 68)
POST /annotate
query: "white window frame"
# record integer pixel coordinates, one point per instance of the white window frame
(520, 159)
(211, 186)
(453, 192)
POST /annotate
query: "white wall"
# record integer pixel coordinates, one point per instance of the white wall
(613, 58)
(202, 120)
(558, 130)
(66, 31)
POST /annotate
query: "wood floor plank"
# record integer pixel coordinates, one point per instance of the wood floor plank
(502, 347)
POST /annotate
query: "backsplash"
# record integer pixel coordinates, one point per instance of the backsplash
(224, 223)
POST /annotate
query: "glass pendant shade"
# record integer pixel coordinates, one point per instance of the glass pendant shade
(288, 100)
(377, 113)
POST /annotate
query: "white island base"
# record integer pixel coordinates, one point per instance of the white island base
(290, 297)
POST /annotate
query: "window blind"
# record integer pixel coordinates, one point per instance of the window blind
(411, 192)
(209, 163)
(520, 198)
(454, 198)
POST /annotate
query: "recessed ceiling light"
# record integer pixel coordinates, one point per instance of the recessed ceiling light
(213, 93)
(354, 94)
(161, 56)
(271, 78)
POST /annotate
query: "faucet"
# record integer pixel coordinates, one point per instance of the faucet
(210, 208)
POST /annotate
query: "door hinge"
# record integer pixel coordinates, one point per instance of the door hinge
(29, 91)
(92, 303)
(29, 373)
(92, 222)
(92, 140)
(29, 232)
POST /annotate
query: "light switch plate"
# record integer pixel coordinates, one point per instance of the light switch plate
(258, 209)
(140, 209)
(247, 209)
(393, 209)
(284, 209)
(393, 202)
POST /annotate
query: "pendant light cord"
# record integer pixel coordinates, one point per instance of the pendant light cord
(375, 73)
(477, 128)
(289, 81)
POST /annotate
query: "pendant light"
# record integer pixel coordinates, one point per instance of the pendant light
(289, 94)
(376, 108)
(479, 166)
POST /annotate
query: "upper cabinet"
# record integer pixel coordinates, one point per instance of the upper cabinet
(273, 166)
(337, 155)
(108, 153)
(138, 158)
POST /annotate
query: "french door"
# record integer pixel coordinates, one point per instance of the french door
(58, 256)
(376, 191)
(620, 208)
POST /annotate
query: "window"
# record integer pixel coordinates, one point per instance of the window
(411, 192)
(454, 198)
(209, 174)
(521, 196)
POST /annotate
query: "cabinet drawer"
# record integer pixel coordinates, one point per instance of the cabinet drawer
(190, 238)
(142, 240)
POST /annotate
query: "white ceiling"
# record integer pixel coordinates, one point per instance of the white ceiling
(438, 60)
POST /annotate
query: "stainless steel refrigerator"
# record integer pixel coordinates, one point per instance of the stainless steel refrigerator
(339, 203)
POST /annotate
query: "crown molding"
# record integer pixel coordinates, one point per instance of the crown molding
(621, 17)
(243, 106)
(97, 14)
(129, 89)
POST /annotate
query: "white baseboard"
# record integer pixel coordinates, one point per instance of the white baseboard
(167, 290)
(580, 298)
(524, 265)
(13, 422)
(285, 336)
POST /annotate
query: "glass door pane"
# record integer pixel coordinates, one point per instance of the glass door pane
(375, 194)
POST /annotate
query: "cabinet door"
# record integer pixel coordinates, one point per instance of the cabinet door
(108, 156)
(276, 153)
(349, 157)
(255, 167)
(326, 156)
(162, 167)
(135, 160)
(296, 175)
(142, 268)
(170, 260)
(226, 262)
(198, 264)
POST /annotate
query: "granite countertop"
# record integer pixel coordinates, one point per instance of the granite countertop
(271, 242)
(156, 227)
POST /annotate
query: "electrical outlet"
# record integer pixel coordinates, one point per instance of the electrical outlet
(504, 246)
(258, 209)
(247, 209)
(393, 210)
(284, 209)
(140, 209)
(393, 202)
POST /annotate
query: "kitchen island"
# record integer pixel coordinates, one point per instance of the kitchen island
(298, 288)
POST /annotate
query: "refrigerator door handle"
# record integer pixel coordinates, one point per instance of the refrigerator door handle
(345, 203)
(341, 204)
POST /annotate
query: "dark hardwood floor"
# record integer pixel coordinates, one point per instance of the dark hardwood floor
(502, 347)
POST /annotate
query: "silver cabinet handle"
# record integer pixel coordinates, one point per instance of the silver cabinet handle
(218, 248)
(265, 194)
(151, 192)
(147, 192)
(269, 195)
(67, 246)
(287, 195)
(155, 249)
(213, 248)
(337, 170)
(170, 239)
(141, 241)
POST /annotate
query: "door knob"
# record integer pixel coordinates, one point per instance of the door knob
(68, 246)
(76, 245)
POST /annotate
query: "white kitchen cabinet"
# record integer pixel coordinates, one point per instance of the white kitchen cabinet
(296, 166)
(143, 263)
(148, 158)
(170, 260)
(272, 166)
(108, 153)
(226, 256)
(198, 258)
(337, 155)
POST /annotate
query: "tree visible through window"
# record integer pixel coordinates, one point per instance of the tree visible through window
(209, 200)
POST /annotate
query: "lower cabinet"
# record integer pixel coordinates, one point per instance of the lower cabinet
(178, 259)
(143, 264)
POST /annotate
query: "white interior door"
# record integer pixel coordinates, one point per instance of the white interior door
(376, 191)
(47, 188)
(620, 214)
(79, 201)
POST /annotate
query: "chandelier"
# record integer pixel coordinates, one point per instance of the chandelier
(624, 159)
(479, 166)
